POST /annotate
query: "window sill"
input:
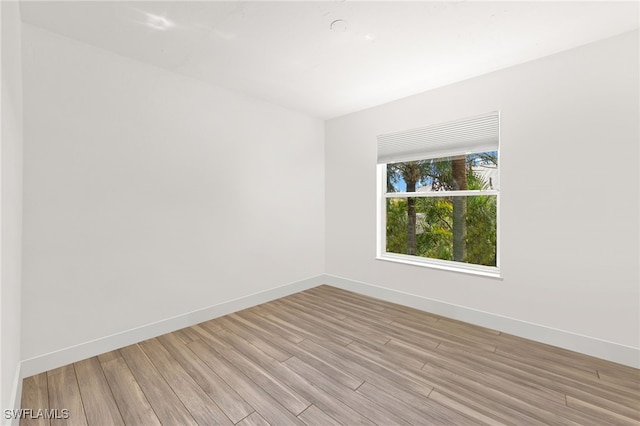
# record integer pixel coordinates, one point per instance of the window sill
(486, 271)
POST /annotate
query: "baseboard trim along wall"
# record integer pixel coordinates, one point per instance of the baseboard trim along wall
(584, 344)
(99, 346)
(16, 400)
(603, 349)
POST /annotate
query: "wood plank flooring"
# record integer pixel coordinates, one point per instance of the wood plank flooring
(326, 357)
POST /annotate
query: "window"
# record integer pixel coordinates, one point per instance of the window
(439, 188)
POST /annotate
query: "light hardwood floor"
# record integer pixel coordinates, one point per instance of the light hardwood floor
(325, 357)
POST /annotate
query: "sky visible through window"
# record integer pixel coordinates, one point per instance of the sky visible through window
(484, 169)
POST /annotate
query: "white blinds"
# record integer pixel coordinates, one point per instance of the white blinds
(475, 134)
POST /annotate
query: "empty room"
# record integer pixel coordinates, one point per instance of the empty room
(320, 213)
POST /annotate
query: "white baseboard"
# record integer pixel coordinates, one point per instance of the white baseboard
(609, 351)
(99, 346)
(16, 399)
(584, 344)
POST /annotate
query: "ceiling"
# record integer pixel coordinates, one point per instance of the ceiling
(331, 58)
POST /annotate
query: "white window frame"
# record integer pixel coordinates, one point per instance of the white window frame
(382, 196)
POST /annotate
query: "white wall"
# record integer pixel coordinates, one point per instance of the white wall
(569, 192)
(11, 202)
(149, 195)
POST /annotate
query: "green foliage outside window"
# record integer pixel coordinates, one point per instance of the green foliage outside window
(425, 226)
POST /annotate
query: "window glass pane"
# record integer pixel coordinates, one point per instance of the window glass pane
(466, 172)
(461, 229)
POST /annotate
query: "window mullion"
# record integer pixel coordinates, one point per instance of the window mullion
(466, 193)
